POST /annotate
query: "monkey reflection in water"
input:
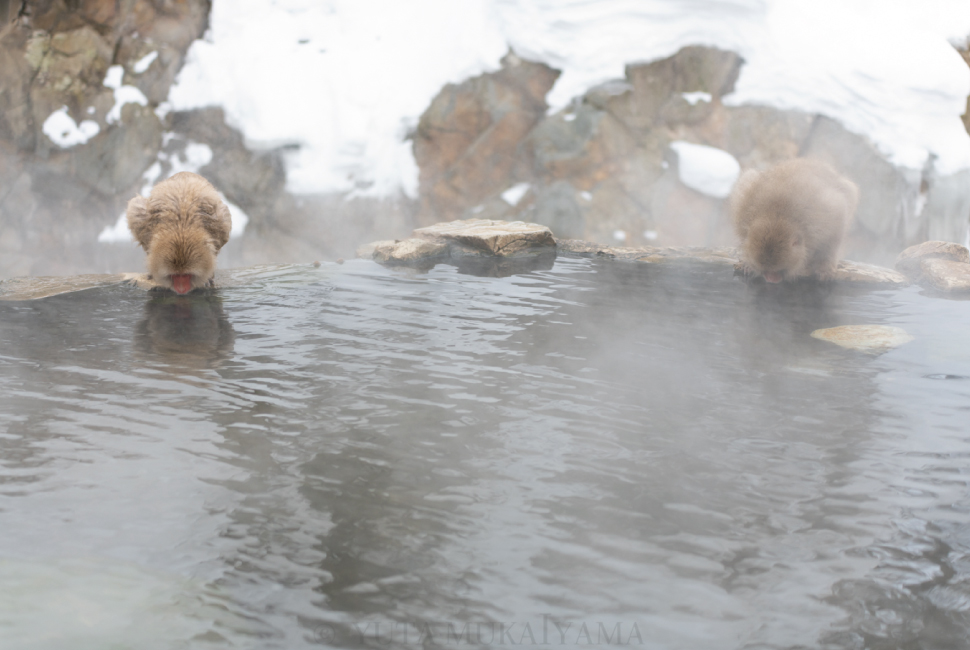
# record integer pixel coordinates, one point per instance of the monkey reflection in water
(191, 331)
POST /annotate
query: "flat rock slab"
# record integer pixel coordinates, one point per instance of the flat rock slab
(868, 274)
(43, 287)
(30, 288)
(871, 339)
(909, 262)
(491, 237)
(648, 254)
(860, 273)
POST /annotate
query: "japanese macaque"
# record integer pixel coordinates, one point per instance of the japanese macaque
(182, 225)
(792, 219)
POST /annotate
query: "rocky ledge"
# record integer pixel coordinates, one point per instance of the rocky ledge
(457, 242)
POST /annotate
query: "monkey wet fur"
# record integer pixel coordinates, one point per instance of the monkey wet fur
(182, 225)
(792, 218)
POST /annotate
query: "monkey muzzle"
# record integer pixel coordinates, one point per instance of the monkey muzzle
(182, 283)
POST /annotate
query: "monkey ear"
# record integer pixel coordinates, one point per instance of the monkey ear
(139, 221)
(219, 225)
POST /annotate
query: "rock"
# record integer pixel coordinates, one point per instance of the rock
(255, 181)
(33, 288)
(490, 237)
(601, 168)
(940, 265)
(859, 272)
(888, 213)
(867, 274)
(366, 251)
(909, 261)
(945, 275)
(872, 339)
(557, 206)
(476, 246)
(467, 143)
(410, 251)
(54, 56)
(649, 254)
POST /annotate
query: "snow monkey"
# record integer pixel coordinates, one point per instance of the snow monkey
(792, 218)
(181, 225)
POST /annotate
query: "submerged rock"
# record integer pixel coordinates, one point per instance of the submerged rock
(872, 339)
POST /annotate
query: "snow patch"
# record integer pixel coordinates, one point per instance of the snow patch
(699, 96)
(145, 62)
(123, 94)
(706, 169)
(514, 194)
(65, 132)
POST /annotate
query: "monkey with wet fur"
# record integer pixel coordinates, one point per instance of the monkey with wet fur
(182, 225)
(792, 218)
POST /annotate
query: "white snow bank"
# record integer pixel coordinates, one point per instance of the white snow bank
(346, 79)
(65, 132)
(708, 170)
(195, 157)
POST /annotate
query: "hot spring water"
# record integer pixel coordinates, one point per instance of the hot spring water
(593, 454)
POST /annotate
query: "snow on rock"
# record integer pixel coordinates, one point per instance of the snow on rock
(347, 79)
(706, 169)
(123, 94)
(142, 64)
(344, 79)
(699, 96)
(514, 194)
(194, 157)
(65, 132)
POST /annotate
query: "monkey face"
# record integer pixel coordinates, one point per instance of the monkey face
(776, 251)
(182, 258)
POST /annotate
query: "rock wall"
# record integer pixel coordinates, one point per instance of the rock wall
(602, 169)
(103, 69)
(70, 151)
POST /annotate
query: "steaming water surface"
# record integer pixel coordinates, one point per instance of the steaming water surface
(595, 454)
